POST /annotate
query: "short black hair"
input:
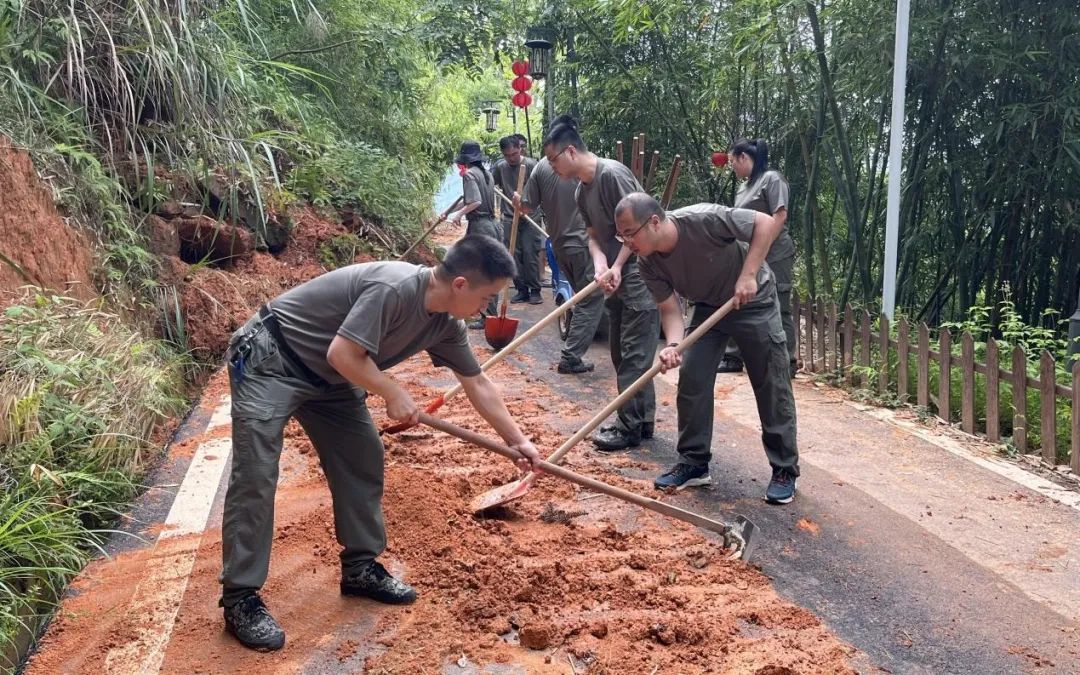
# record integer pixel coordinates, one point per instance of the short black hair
(520, 138)
(478, 258)
(563, 133)
(509, 142)
(640, 205)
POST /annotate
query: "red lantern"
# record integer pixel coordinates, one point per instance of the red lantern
(719, 159)
(521, 83)
(522, 99)
(520, 67)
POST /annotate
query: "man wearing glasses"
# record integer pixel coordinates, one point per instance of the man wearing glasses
(701, 253)
(632, 314)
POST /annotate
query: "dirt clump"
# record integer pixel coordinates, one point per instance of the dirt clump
(536, 635)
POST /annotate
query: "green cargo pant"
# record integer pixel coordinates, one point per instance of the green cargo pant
(269, 390)
(634, 325)
(575, 265)
(527, 255)
(757, 331)
(784, 272)
(487, 226)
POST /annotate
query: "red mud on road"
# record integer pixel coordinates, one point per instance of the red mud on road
(561, 581)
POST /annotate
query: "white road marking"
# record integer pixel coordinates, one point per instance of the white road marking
(157, 598)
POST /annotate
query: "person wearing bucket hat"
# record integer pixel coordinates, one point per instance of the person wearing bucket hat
(478, 188)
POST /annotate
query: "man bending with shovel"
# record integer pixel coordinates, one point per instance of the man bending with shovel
(314, 353)
(701, 253)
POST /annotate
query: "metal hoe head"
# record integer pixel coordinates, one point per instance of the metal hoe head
(739, 538)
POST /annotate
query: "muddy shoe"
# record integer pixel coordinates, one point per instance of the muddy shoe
(535, 298)
(376, 583)
(683, 476)
(250, 622)
(567, 368)
(476, 324)
(519, 297)
(781, 488)
(730, 364)
(615, 438)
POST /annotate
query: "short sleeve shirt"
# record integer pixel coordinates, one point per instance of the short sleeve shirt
(506, 180)
(597, 200)
(558, 197)
(379, 306)
(768, 194)
(477, 186)
(708, 257)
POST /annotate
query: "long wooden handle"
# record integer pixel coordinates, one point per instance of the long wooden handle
(533, 330)
(542, 231)
(513, 237)
(438, 221)
(673, 179)
(584, 481)
(638, 384)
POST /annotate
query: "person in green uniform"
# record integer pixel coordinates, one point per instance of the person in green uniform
(701, 253)
(478, 188)
(566, 228)
(529, 241)
(765, 190)
(632, 314)
(315, 353)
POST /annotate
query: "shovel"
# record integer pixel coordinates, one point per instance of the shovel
(438, 221)
(516, 490)
(737, 537)
(525, 216)
(499, 330)
(509, 349)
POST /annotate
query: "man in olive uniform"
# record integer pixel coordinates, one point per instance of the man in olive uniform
(570, 241)
(478, 188)
(315, 353)
(529, 241)
(632, 314)
(701, 253)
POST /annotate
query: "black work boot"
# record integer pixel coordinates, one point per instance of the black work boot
(250, 622)
(614, 438)
(520, 297)
(568, 368)
(373, 581)
(535, 298)
(730, 364)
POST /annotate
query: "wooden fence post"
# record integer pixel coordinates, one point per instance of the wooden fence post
(967, 379)
(945, 376)
(864, 348)
(903, 355)
(1075, 461)
(883, 349)
(849, 344)
(834, 320)
(618, 152)
(1019, 396)
(1048, 407)
(993, 418)
(922, 383)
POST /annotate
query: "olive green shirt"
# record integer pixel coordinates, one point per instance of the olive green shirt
(596, 201)
(768, 194)
(708, 257)
(506, 180)
(377, 305)
(478, 186)
(558, 197)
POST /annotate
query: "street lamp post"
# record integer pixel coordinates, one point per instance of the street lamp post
(540, 43)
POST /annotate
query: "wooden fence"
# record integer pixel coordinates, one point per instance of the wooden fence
(848, 347)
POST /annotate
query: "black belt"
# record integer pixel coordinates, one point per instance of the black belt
(271, 322)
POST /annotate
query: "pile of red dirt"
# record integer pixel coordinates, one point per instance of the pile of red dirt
(36, 246)
(561, 581)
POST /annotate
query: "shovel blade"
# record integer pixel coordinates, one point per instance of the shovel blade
(500, 331)
(503, 494)
(743, 533)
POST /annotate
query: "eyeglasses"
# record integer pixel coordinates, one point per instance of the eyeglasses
(623, 238)
(559, 153)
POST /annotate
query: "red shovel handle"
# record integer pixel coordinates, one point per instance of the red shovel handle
(430, 409)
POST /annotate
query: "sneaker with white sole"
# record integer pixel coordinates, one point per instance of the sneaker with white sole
(781, 488)
(682, 476)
